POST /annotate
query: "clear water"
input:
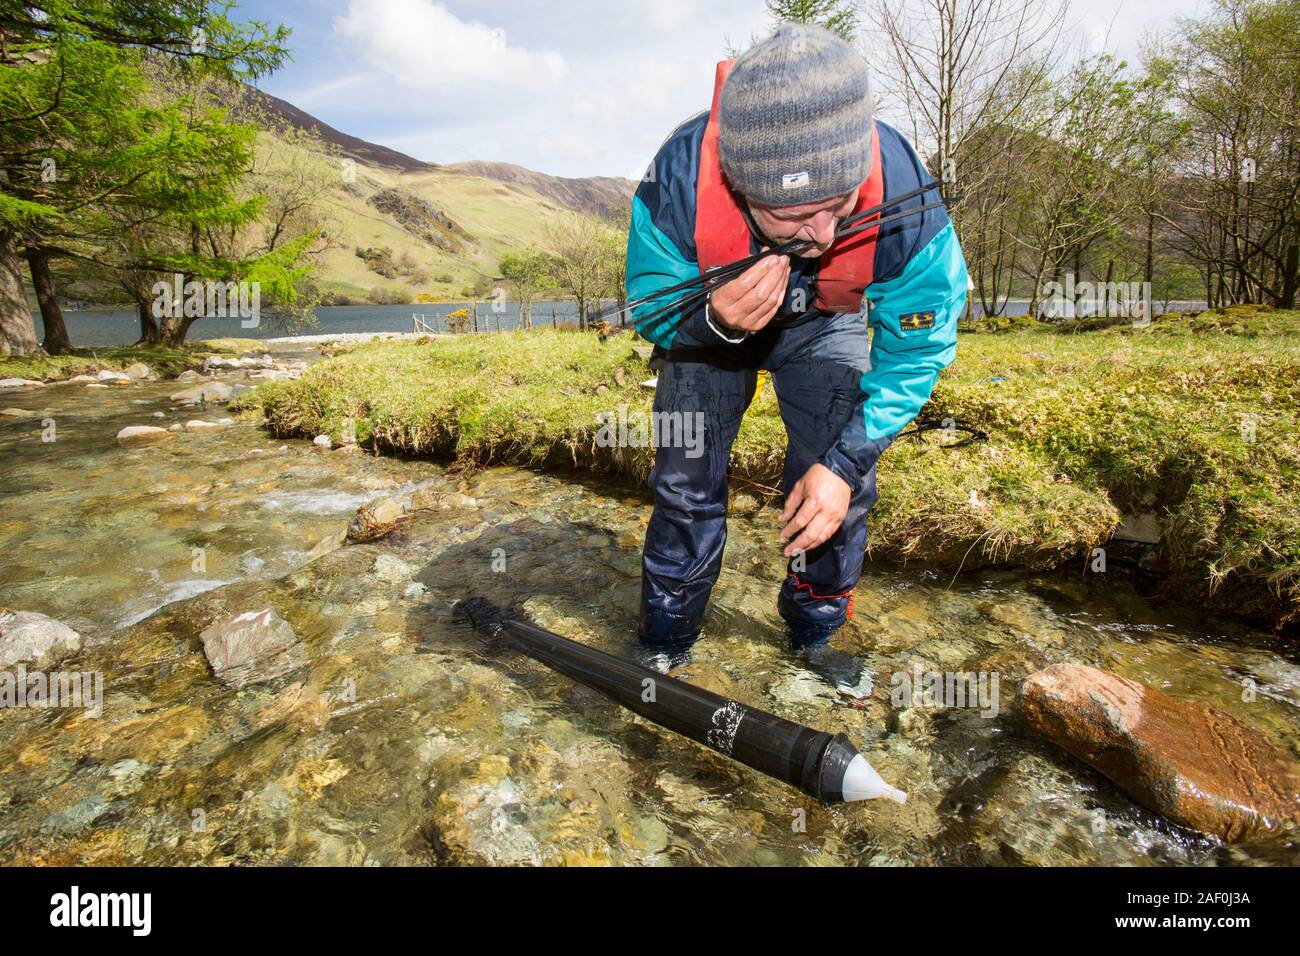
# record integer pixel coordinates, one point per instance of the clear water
(405, 741)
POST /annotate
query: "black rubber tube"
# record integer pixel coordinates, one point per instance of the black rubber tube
(812, 760)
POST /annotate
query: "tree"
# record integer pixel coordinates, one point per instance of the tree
(835, 15)
(1159, 142)
(529, 274)
(614, 258)
(66, 89)
(1238, 214)
(971, 78)
(1078, 183)
(580, 246)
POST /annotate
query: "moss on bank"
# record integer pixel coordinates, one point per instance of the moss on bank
(166, 361)
(1191, 420)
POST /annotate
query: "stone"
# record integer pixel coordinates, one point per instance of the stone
(202, 393)
(375, 520)
(30, 638)
(427, 499)
(189, 375)
(1144, 528)
(255, 453)
(16, 412)
(392, 569)
(198, 425)
(331, 542)
(323, 441)
(108, 375)
(1185, 760)
(81, 379)
(252, 648)
(138, 370)
(139, 434)
(77, 817)
(96, 385)
(20, 383)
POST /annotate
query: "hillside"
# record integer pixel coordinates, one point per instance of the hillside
(597, 195)
(282, 111)
(453, 222)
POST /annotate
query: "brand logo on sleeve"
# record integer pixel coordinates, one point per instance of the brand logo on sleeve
(916, 321)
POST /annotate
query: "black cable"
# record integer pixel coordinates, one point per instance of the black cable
(724, 274)
(920, 426)
(785, 249)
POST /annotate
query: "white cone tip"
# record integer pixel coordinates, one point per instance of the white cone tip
(861, 782)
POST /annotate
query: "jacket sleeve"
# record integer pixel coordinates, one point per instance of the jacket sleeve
(654, 262)
(914, 337)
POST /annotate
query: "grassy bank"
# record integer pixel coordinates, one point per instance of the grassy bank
(1192, 420)
(167, 362)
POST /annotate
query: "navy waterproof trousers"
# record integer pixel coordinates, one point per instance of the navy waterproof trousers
(816, 368)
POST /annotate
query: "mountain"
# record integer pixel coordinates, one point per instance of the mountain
(404, 226)
(282, 111)
(594, 195)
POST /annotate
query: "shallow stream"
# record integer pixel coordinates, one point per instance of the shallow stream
(405, 740)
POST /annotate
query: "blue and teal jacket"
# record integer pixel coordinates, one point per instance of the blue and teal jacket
(916, 296)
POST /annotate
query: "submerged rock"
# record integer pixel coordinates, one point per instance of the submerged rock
(434, 500)
(392, 569)
(30, 638)
(198, 425)
(1194, 764)
(375, 520)
(251, 648)
(139, 434)
(203, 393)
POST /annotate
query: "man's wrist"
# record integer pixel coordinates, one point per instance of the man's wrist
(842, 467)
(718, 327)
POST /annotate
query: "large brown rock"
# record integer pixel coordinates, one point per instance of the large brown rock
(1198, 766)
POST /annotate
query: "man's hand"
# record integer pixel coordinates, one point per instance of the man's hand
(814, 509)
(748, 302)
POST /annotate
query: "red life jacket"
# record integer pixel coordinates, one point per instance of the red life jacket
(722, 233)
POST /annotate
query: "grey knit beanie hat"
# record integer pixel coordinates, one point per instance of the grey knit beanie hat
(795, 118)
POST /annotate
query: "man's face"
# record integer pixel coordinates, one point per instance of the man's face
(813, 222)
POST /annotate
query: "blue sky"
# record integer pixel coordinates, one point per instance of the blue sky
(574, 88)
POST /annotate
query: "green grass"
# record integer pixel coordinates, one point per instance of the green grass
(1083, 428)
(167, 362)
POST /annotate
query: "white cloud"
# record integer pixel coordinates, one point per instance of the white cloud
(426, 47)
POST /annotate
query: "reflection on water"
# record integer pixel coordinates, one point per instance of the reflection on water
(406, 740)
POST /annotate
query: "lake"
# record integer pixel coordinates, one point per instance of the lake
(121, 327)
